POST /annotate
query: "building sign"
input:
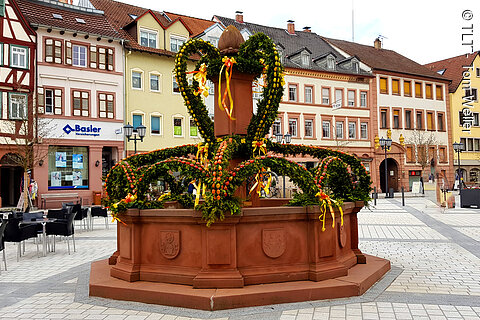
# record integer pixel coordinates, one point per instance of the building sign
(82, 129)
(469, 96)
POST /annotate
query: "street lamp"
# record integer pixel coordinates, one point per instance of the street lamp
(458, 147)
(385, 144)
(141, 131)
(288, 138)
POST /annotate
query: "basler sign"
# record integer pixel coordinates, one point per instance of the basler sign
(83, 130)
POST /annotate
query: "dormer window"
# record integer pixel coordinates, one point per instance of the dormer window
(355, 66)
(305, 59)
(148, 38)
(176, 43)
(133, 16)
(280, 55)
(330, 62)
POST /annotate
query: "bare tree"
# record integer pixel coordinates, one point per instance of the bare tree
(423, 141)
(22, 137)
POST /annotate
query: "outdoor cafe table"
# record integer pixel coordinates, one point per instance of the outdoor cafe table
(43, 222)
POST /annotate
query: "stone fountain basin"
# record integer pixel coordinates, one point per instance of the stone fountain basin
(262, 245)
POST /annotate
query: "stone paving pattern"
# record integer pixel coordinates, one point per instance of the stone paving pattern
(435, 256)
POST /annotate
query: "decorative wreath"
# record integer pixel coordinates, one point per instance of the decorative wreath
(339, 176)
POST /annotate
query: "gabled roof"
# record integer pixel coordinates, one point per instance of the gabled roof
(40, 13)
(384, 60)
(291, 44)
(195, 25)
(119, 15)
(453, 68)
(299, 51)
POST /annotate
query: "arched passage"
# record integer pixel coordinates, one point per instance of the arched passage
(10, 179)
(392, 173)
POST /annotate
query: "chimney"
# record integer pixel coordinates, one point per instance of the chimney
(239, 16)
(291, 27)
(377, 43)
(307, 29)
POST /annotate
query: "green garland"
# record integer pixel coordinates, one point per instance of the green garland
(340, 176)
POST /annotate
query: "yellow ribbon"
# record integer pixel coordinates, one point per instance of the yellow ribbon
(327, 201)
(228, 66)
(201, 77)
(260, 145)
(259, 183)
(163, 196)
(202, 157)
(129, 198)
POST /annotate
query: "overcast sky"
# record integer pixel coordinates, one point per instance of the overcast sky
(424, 31)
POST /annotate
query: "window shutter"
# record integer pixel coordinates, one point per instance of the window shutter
(110, 59)
(102, 57)
(49, 50)
(58, 101)
(40, 100)
(58, 51)
(93, 57)
(68, 52)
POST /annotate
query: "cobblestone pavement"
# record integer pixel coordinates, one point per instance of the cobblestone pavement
(435, 256)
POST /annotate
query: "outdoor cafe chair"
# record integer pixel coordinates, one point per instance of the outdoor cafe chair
(63, 227)
(14, 232)
(99, 212)
(3, 225)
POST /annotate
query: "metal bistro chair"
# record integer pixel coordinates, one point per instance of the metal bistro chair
(100, 212)
(2, 243)
(16, 233)
(63, 227)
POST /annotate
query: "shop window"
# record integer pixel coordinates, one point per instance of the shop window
(474, 175)
(67, 167)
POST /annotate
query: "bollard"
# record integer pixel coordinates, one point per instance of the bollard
(403, 197)
(375, 196)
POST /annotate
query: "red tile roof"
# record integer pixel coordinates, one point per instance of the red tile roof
(453, 68)
(119, 14)
(383, 59)
(41, 13)
(196, 25)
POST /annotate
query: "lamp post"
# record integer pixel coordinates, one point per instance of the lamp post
(141, 131)
(385, 144)
(458, 147)
(288, 138)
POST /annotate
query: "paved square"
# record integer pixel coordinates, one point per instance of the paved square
(435, 256)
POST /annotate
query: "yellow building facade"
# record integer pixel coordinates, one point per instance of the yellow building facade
(464, 71)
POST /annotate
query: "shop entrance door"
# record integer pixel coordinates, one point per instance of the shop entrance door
(392, 171)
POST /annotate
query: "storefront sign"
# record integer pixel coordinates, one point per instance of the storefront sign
(82, 130)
